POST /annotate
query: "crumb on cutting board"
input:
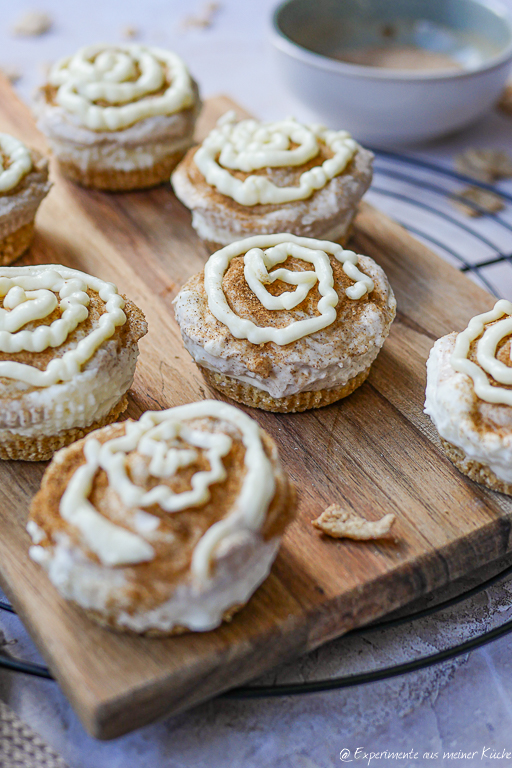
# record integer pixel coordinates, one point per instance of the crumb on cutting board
(345, 523)
(32, 24)
(485, 201)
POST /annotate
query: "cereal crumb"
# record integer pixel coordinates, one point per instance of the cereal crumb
(485, 165)
(129, 32)
(11, 73)
(32, 24)
(485, 201)
(345, 523)
(204, 19)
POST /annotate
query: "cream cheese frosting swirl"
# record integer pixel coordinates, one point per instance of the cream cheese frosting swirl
(263, 252)
(30, 294)
(109, 88)
(249, 145)
(488, 364)
(171, 444)
(19, 162)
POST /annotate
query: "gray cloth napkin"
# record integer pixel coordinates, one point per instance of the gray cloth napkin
(20, 747)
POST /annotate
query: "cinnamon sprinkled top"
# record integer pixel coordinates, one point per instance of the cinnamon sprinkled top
(262, 252)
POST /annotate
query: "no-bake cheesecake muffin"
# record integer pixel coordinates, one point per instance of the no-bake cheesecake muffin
(165, 524)
(118, 117)
(469, 397)
(298, 336)
(68, 348)
(251, 178)
(23, 186)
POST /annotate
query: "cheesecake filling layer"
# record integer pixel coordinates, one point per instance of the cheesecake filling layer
(88, 397)
(450, 402)
(243, 561)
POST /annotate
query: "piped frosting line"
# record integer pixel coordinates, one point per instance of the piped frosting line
(104, 538)
(488, 364)
(154, 435)
(29, 296)
(261, 253)
(19, 162)
(135, 81)
(249, 145)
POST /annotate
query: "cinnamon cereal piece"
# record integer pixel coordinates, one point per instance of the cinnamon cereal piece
(485, 165)
(487, 201)
(345, 523)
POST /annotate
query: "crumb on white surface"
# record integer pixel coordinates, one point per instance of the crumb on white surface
(32, 24)
(13, 74)
(505, 102)
(345, 523)
(203, 19)
(44, 67)
(129, 32)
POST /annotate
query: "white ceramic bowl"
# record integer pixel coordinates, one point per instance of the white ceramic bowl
(388, 107)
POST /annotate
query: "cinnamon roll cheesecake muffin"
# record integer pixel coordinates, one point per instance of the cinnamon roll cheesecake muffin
(68, 348)
(252, 178)
(298, 336)
(165, 524)
(23, 186)
(118, 117)
(469, 397)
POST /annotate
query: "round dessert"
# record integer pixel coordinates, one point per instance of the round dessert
(250, 178)
(165, 524)
(267, 346)
(118, 117)
(469, 397)
(68, 348)
(23, 185)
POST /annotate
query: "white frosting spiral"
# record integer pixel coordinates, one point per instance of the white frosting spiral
(29, 295)
(486, 348)
(171, 444)
(265, 251)
(19, 162)
(249, 145)
(135, 81)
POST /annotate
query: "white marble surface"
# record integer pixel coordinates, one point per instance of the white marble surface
(462, 705)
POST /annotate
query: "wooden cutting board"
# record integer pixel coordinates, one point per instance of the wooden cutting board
(375, 452)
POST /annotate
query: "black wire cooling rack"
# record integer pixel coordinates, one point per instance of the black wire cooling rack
(421, 196)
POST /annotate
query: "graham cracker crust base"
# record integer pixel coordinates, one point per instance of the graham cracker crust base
(258, 398)
(479, 473)
(112, 180)
(42, 448)
(14, 245)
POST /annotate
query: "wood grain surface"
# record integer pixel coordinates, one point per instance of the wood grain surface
(375, 452)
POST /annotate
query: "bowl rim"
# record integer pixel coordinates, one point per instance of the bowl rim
(288, 46)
